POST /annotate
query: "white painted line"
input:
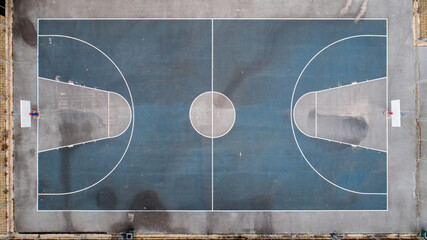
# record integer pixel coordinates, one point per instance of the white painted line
(38, 65)
(108, 114)
(315, 210)
(204, 211)
(315, 116)
(395, 109)
(386, 101)
(25, 114)
(72, 84)
(293, 120)
(74, 144)
(133, 116)
(353, 84)
(353, 145)
(37, 130)
(212, 109)
(210, 18)
(212, 174)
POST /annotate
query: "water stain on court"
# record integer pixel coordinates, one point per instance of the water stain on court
(24, 169)
(147, 221)
(68, 220)
(77, 126)
(23, 27)
(147, 200)
(106, 198)
(347, 129)
(66, 128)
(264, 223)
(65, 179)
(255, 65)
(28, 31)
(65, 170)
(154, 221)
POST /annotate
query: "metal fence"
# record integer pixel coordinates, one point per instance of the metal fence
(6, 123)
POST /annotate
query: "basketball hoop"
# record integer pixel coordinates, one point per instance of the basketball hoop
(35, 114)
(387, 113)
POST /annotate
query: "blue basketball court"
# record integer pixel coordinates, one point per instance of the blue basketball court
(212, 115)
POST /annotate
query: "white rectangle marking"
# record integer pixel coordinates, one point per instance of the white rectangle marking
(25, 114)
(395, 116)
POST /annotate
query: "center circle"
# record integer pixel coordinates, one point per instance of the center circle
(212, 114)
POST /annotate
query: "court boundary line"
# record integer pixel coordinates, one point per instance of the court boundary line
(212, 114)
(386, 84)
(108, 114)
(210, 18)
(37, 131)
(93, 140)
(132, 110)
(204, 211)
(332, 140)
(292, 108)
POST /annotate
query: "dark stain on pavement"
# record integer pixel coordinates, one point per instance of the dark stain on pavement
(106, 198)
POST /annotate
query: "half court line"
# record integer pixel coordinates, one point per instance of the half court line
(212, 117)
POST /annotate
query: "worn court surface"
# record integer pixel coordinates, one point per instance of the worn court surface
(306, 144)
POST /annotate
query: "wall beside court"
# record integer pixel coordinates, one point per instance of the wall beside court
(6, 123)
(420, 39)
(419, 20)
